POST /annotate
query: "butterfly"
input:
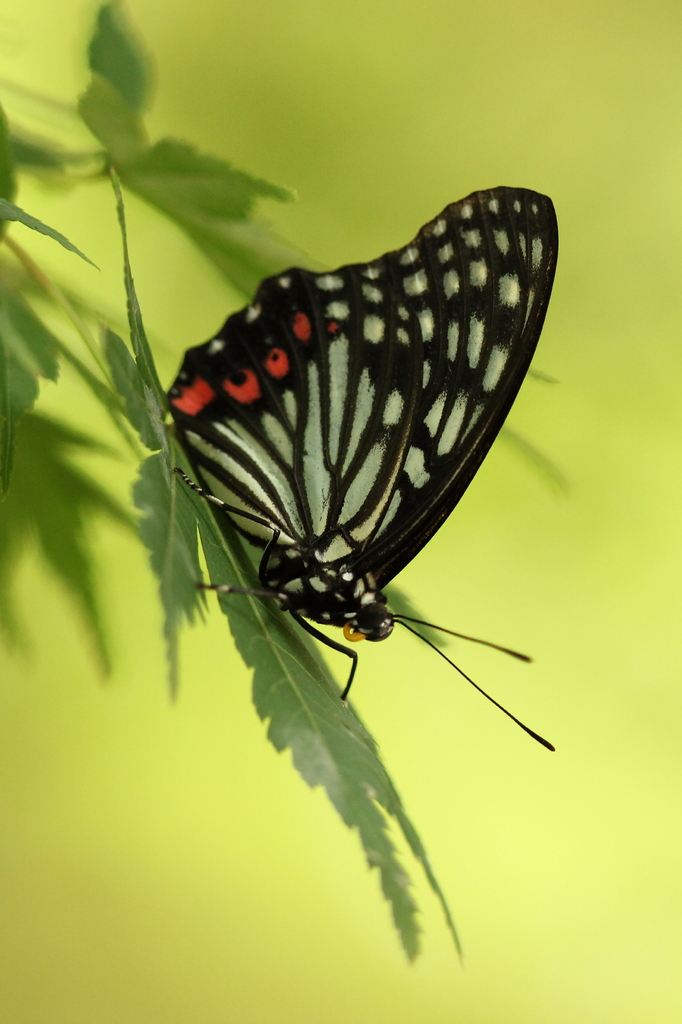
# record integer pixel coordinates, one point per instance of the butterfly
(340, 416)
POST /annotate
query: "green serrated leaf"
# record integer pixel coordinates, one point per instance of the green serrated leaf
(293, 691)
(143, 410)
(116, 55)
(169, 532)
(143, 353)
(8, 211)
(112, 121)
(179, 180)
(52, 502)
(211, 201)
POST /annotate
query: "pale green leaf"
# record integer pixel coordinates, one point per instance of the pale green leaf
(115, 54)
(293, 691)
(169, 532)
(52, 503)
(8, 211)
(141, 406)
(112, 121)
(143, 353)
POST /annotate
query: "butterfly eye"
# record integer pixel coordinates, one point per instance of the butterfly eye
(243, 386)
(352, 634)
(276, 363)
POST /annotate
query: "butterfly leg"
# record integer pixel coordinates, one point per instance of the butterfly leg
(224, 507)
(225, 588)
(334, 646)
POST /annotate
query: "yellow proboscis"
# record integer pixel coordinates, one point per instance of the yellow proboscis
(353, 634)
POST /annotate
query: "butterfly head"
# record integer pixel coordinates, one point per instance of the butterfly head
(372, 621)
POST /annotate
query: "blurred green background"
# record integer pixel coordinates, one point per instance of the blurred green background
(161, 864)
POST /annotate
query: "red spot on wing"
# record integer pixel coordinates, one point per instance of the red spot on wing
(194, 397)
(276, 363)
(243, 386)
(302, 328)
(332, 327)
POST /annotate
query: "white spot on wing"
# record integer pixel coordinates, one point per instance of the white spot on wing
(467, 211)
(278, 436)
(371, 272)
(316, 476)
(433, 416)
(446, 252)
(393, 409)
(284, 282)
(403, 336)
(517, 206)
(364, 403)
(329, 282)
(494, 206)
(440, 226)
(522, 243)
(502, 241)
(415, 468)
(362, 483)
(536, 253)
(294, 586)
(338, 386)
(290, 407)
(451, 283)
(498, 357)
(416, 283)
(426, 374)
(409, 256)
(364, 530)
(452, 425)
(453, 339)
(402, 313)
(338, 310)
(509, 290)
(478, 273)
(373, 329)
(426, 324)
(475, 341)
(390, 512)
(252, 313)
(217, 345)
(472, 238)
(337, 548)
(371, 293)
(473, 419)
(529, 307)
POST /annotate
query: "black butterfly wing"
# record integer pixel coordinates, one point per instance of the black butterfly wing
(484, 271)
(351, 409)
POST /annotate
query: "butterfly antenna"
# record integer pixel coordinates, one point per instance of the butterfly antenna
(463, 636)
(545, 743)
